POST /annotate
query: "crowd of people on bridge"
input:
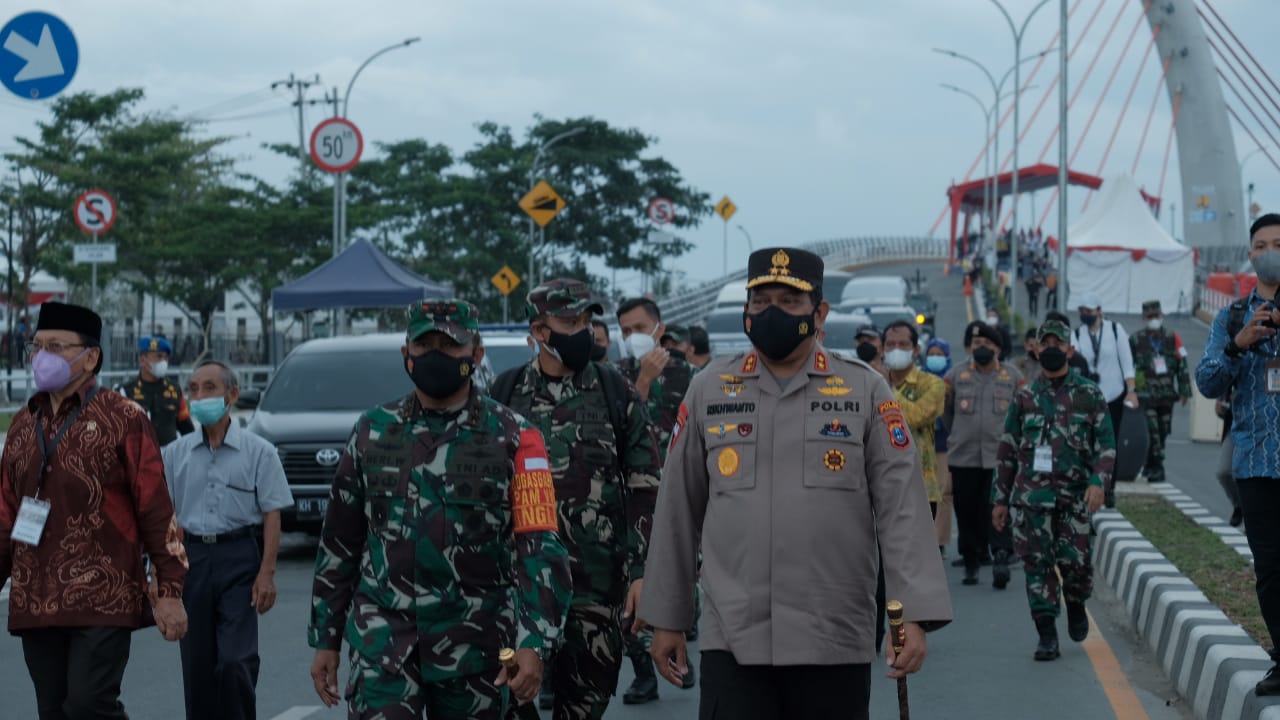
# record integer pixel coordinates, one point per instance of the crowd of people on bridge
(489, 550)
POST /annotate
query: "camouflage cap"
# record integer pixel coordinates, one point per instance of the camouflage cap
(677, 333)
(1151, 307)
(562, 297)
(456, 318)
(1056, 328)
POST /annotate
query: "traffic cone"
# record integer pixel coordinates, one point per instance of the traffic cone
(968, 286)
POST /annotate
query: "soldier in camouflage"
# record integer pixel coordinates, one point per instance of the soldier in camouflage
(1054, 460)
(604, 458)
(661, 375)
(1161, 378)
(440, 545)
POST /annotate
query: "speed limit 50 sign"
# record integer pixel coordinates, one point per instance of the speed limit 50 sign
(336, 145)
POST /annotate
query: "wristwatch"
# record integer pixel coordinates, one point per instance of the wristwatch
(1232, 350)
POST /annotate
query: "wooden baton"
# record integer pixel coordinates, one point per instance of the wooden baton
(527, 711)
(899, 633)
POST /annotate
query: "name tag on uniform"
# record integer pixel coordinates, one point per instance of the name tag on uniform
(1161, 367)
(32, 515)
(1043, 460)
(1273, 377)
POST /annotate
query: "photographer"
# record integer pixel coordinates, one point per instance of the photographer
(1242, 356)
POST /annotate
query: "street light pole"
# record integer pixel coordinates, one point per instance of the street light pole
(1018, 33)
(750, 245)
(1248, 185)
(340, 182)
(1060, 293)
(533, 176)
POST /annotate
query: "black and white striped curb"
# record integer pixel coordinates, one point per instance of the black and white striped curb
(1195, 511)
(1211, 661)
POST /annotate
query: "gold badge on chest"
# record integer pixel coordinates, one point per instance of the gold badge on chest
(728, 462)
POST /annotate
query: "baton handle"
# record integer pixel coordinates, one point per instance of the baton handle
(899, 633)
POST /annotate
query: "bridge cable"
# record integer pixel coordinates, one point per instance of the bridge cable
(1225, 61)
(1128, 101)
(1246, 105)
(1253, 137)
(1048, 93)
(1168, 145)
(1106, 89)
(1230, 32)
(1155, 99)
(1001, 121)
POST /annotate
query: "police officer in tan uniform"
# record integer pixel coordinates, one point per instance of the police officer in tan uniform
(815, 448)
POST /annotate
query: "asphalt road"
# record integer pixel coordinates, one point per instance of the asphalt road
(979, 667)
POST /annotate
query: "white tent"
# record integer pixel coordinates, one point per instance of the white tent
(1118, 251)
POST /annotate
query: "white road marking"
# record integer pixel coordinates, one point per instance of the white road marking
(297, 712)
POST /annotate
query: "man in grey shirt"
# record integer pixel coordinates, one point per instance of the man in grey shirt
(224, 481)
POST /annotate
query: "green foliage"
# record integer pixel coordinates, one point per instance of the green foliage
(190, 228)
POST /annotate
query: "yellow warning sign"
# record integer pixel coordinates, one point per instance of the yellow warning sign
(542, 203)
(725, 208)
(505, 280)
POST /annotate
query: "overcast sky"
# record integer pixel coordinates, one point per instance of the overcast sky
(819, 119)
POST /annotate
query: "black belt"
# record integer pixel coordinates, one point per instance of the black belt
(214, 539)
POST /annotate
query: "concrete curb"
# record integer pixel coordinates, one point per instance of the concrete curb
(1210, 660)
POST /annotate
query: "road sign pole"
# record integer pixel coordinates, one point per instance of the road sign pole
(94, 301)
(532, 247)
(506, 309)
(725, 270)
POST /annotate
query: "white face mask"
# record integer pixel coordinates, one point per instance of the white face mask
(160, 367)
(898, 359)
(640, 345)
(1154, 323)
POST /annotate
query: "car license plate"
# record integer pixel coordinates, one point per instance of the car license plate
(312, 506)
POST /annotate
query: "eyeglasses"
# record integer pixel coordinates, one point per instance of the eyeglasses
(53, 346)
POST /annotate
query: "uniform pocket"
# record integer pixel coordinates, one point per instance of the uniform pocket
(833, 452)
(475, 509)
(731, 461)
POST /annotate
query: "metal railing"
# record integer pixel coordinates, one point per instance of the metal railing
(693, 304)
(16, 385)
(1211, 301)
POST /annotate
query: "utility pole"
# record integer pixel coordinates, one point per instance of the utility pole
(299, 86)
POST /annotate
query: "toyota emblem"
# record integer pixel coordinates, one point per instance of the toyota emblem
(328, 457)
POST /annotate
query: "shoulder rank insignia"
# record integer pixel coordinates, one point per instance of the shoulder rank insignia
(833, 459)
(835, 428)
(749, 364)
(820, 361)
(835, 387)
(721, 429)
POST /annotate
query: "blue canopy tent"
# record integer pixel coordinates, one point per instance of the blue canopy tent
(362, 276)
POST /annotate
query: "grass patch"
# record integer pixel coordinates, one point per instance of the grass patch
(1220, 572)
(5, 420)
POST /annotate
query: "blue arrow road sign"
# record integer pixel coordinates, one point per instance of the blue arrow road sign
(38, 55)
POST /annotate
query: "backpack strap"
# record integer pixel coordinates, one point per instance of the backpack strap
(504, 386)
(614, 387)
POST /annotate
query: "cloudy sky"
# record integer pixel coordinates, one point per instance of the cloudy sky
(819, 119)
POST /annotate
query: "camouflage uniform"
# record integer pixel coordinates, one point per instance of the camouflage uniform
(1052, 528)
(666, 392)
(439, 548)
(605, 497)
(1161, 378)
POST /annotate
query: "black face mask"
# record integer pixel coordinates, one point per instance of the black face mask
(574, 350)
(776, 332)
(1088, 319)
(599, 352)
(866, 352)
(984, 355)
(1053, 359)
(438, 374)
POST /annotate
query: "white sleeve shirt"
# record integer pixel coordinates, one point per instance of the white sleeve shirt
(1113, 361)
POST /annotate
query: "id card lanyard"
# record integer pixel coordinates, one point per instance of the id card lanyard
(47, 449)
(1042, 461)
(33, 513)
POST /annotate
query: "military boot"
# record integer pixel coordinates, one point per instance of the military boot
(645, 687)
(1048, 647)
(1077, 621)
(970, 573)
(1000, 570)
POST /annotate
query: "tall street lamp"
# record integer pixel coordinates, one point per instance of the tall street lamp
(340, 182)
(1018, 33)
(1249, 156)
(533, 176)
(750, 245)
(988, 182)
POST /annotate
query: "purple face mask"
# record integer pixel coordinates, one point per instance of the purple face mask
(52, 372)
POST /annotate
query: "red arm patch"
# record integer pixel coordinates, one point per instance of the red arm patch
(533, 494)
(891, 414)
(682, 419)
